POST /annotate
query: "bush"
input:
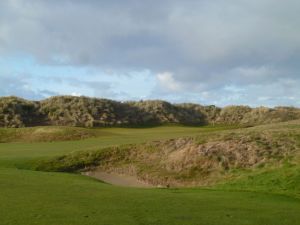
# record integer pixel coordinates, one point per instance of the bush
(94, 112)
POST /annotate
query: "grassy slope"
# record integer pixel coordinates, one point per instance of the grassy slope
(31, 197)
(46, 134)
(283, 178)
(264, 158)
(63, 133)
(11, 153)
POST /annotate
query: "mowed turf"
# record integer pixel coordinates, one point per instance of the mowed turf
(43, 198)
(29, 197)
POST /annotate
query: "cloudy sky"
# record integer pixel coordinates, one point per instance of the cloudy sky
(219, 52)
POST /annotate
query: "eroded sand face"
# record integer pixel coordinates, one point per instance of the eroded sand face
(117, 179)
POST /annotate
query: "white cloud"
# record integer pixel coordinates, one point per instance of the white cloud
(208, 46)
(76, 94)
(167, 82)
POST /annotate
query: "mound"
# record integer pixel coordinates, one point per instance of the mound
(47, 133)
(93, 112)
(200, 161)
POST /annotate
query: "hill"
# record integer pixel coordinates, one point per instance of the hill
(213, 158)
(94, 112)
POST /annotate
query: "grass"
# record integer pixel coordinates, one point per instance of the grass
(60, 133)
(18, 152)
(215, 157)
(29, 197)
(46, 134)
(283, 180)
(48, 198)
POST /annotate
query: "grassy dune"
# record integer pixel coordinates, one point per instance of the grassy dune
(227, 158)
(34, 197)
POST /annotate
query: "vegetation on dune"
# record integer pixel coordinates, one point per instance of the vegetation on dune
(165, 112)
(93, 112)
(87, 112)
(209, 114)
(17, 112)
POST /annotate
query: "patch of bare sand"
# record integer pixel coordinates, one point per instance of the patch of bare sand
(117, 179)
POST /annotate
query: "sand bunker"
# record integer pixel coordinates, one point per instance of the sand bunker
(117, 179)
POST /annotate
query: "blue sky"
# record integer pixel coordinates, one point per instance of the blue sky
(207, 52)
(40, 81)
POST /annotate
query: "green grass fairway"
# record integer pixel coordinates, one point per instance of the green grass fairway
(15, 152)
(31, 198)
(44, 198)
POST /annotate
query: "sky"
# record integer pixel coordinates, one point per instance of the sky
(221, 52)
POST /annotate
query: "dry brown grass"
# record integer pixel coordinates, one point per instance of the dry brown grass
(94, 112)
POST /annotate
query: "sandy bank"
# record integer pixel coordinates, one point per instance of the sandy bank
(117, 179)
